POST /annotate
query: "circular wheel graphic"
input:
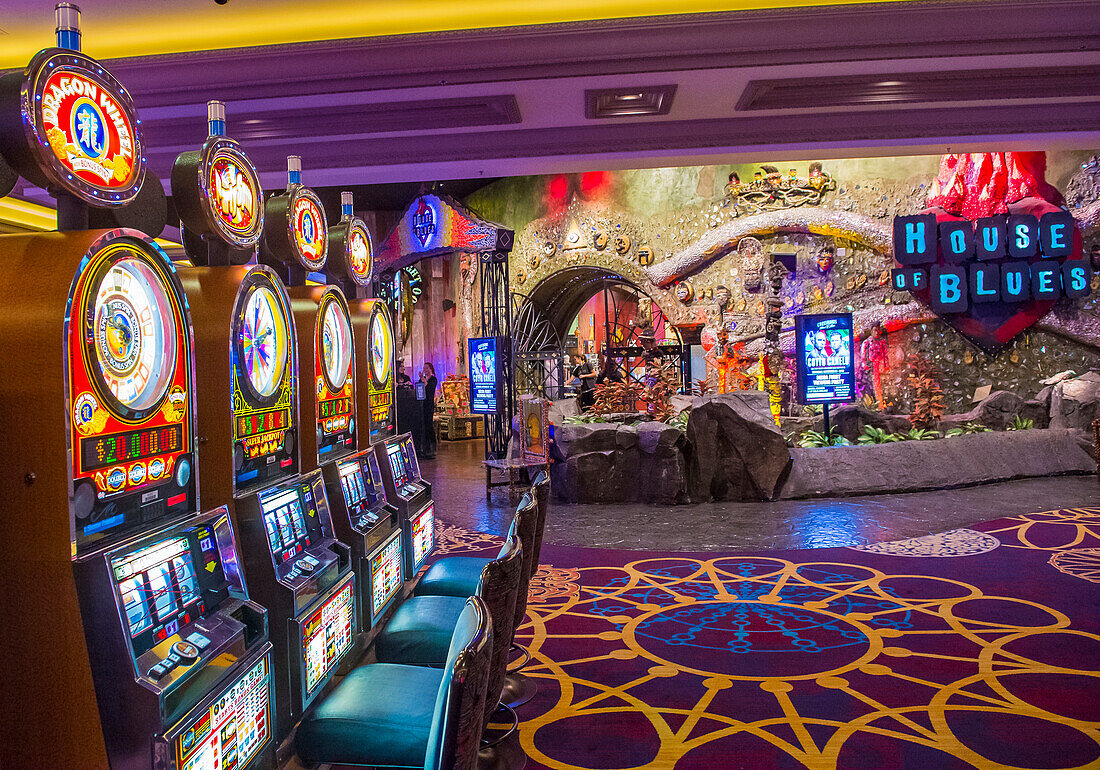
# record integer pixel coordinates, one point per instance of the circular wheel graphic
(335, 332)
(134, 332)
(381, 349)
(262, 340)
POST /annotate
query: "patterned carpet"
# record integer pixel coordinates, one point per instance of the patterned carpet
(973, 648)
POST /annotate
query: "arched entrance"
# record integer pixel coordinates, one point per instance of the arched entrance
(544, 323)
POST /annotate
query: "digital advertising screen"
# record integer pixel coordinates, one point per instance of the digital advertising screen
(327, 634)
(422, 536)
(483, 375)
(825, 359)
(236, 726)
(385, 574)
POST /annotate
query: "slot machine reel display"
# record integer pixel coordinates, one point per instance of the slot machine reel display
(190, 637)
(375, 366)
(385, 568)
(361, 515)
(302, 574)
(327, 373)
(406, 489)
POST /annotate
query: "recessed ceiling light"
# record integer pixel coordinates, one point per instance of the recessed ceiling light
(624, 102)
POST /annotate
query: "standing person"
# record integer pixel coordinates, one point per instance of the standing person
(427, 376)
(582, 372)
(609, 370)
(402, 377)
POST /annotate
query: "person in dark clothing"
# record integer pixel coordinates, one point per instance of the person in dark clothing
(427, 376)
(609, 371)
(402, 377)
(582, 372)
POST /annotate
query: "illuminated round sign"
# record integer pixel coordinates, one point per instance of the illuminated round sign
(360, 252)
(308, 228)
(82, 129)
(233, 193)
(335, 344)
(381, 349)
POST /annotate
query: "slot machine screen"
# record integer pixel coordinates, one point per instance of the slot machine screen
(396, 454)
(290, 519)
(362, 493)
(172, 582)
(422, 536)
(412, 468)
(327, 634)
(385, 574)
(234, 728)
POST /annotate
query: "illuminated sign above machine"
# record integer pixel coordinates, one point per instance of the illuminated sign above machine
(296, 233)
(218, 193)
(80, 132)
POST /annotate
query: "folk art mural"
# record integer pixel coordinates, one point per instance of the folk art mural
(699, 242)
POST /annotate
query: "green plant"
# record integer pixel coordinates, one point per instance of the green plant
(816, 438)
(581, 419)
(680, 421)
(968, 428)
(1020, 423)
(918, 434)
(873, 435)
(924, 379)
(811, 410)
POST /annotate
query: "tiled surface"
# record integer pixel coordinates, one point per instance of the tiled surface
(458, 480)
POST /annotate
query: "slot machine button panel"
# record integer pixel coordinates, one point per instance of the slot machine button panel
(200, 641)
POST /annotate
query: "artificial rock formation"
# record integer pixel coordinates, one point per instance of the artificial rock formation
(736, 449)
(607, 463)
(1075, 403)
(914, 466)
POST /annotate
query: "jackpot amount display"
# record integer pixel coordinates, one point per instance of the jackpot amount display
(326, 636)
(385, 573)
(233, 729)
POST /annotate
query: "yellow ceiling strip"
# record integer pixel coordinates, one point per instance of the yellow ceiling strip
(37, 218)
(129, 30)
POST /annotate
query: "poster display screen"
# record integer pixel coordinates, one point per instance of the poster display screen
(483, 375)
(422, 536)
(823, 352)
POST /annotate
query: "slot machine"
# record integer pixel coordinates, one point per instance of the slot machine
(303, 575)
(126, 616)
(350, 264)
(363, 518)
(246, 349)
(411, 495)
(294, 244)
(296, 566)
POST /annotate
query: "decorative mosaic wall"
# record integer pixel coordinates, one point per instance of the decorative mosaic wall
(629, 221)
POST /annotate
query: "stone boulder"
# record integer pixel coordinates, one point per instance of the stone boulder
(1075, 402)
(736, 451)
(914, 466)
(612, 463)
(995, 411)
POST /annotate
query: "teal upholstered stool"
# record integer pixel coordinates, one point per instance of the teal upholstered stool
(417, 631)
(420, 629)
(391, 715)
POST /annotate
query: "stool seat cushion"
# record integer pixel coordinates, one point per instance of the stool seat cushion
(452, 576)
(419, 633)
(380, 715)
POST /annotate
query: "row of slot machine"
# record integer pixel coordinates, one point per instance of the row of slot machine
(205, 506)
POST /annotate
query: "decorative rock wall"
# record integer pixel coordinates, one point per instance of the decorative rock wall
(604, 463)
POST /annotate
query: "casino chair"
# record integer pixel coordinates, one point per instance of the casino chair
(389, 715)
(518, 688)
(459, 575)
(416, 635)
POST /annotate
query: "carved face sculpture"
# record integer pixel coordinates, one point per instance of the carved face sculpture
(722, 297)
(825, 259)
